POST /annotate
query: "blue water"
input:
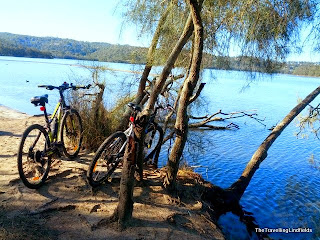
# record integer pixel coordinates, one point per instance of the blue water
(285, 190)
(21, 76)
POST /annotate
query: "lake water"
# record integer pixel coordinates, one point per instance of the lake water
(285, 190)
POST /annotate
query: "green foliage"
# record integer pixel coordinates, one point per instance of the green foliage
(262, 30)
(146, 14)
(8, 49)
(98, 127)
(98, 120)
(27, 46)
(307, 70)
(310, 123)
(246, 63)
(49, 47)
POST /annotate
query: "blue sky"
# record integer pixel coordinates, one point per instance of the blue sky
(85, 20)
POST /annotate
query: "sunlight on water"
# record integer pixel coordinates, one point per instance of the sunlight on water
(284, 191)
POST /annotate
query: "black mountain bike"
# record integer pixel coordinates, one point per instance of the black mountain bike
(111, 151)
(62, 133)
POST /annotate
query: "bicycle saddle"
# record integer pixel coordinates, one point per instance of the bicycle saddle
(39, 100)
(135, 107)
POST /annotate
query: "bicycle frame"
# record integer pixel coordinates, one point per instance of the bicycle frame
(57, 114)
(129, 132)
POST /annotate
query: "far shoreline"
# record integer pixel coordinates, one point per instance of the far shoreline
(125, 62)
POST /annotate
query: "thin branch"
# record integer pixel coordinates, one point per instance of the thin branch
(168, 137)
(169, 82)
(197, 94)
(207, 119)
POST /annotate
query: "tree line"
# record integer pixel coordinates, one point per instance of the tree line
(7, 49)
(50, 47)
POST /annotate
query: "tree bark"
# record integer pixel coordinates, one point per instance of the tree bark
(123, 212)
(147, 68)
(150, 56)
(239, 187)
(181, 124)
(143, 117)
(186, 34)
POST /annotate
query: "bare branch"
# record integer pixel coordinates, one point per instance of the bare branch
(212, 118)
(169, 82)
(168, 137)
(197, 94)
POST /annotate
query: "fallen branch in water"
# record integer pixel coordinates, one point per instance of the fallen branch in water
(213, 117)
(204, 124)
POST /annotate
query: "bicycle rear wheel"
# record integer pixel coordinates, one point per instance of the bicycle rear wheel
(106, 159)
(152, 143)
(71, 133)
(33, 159)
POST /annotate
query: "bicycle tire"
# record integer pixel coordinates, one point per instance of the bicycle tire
(152, 150)
(106, 159)
(70, 134)
(35, 155)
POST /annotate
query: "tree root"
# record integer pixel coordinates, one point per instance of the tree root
(68, 207)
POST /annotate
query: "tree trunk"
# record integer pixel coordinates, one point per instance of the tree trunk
(147, 68)
(150, 56)
(186, 34)
(143, 117)
(239, 187)
(123, 212)
(181, 125)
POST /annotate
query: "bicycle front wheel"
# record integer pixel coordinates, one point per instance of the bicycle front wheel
(106, 159)
(71, 133)
(33, 157)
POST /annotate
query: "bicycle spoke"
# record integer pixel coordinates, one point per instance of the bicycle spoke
(33, 164)
(71, 133)
(106, 159)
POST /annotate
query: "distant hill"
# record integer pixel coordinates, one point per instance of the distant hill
(49, 47)
(52, 47)
(9, 49)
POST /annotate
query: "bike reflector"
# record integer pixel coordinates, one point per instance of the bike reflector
(131, 119)
(42, 108)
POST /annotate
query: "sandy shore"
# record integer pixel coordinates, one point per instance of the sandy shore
(66, 206)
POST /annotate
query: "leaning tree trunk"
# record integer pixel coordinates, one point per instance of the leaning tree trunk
(186, 34)
(147, 68)
(239, 187)
(144, 116)
(181, 124)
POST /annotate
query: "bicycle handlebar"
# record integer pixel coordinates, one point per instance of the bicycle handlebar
(65, 86)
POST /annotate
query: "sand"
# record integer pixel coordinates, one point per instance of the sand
(66, 207)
